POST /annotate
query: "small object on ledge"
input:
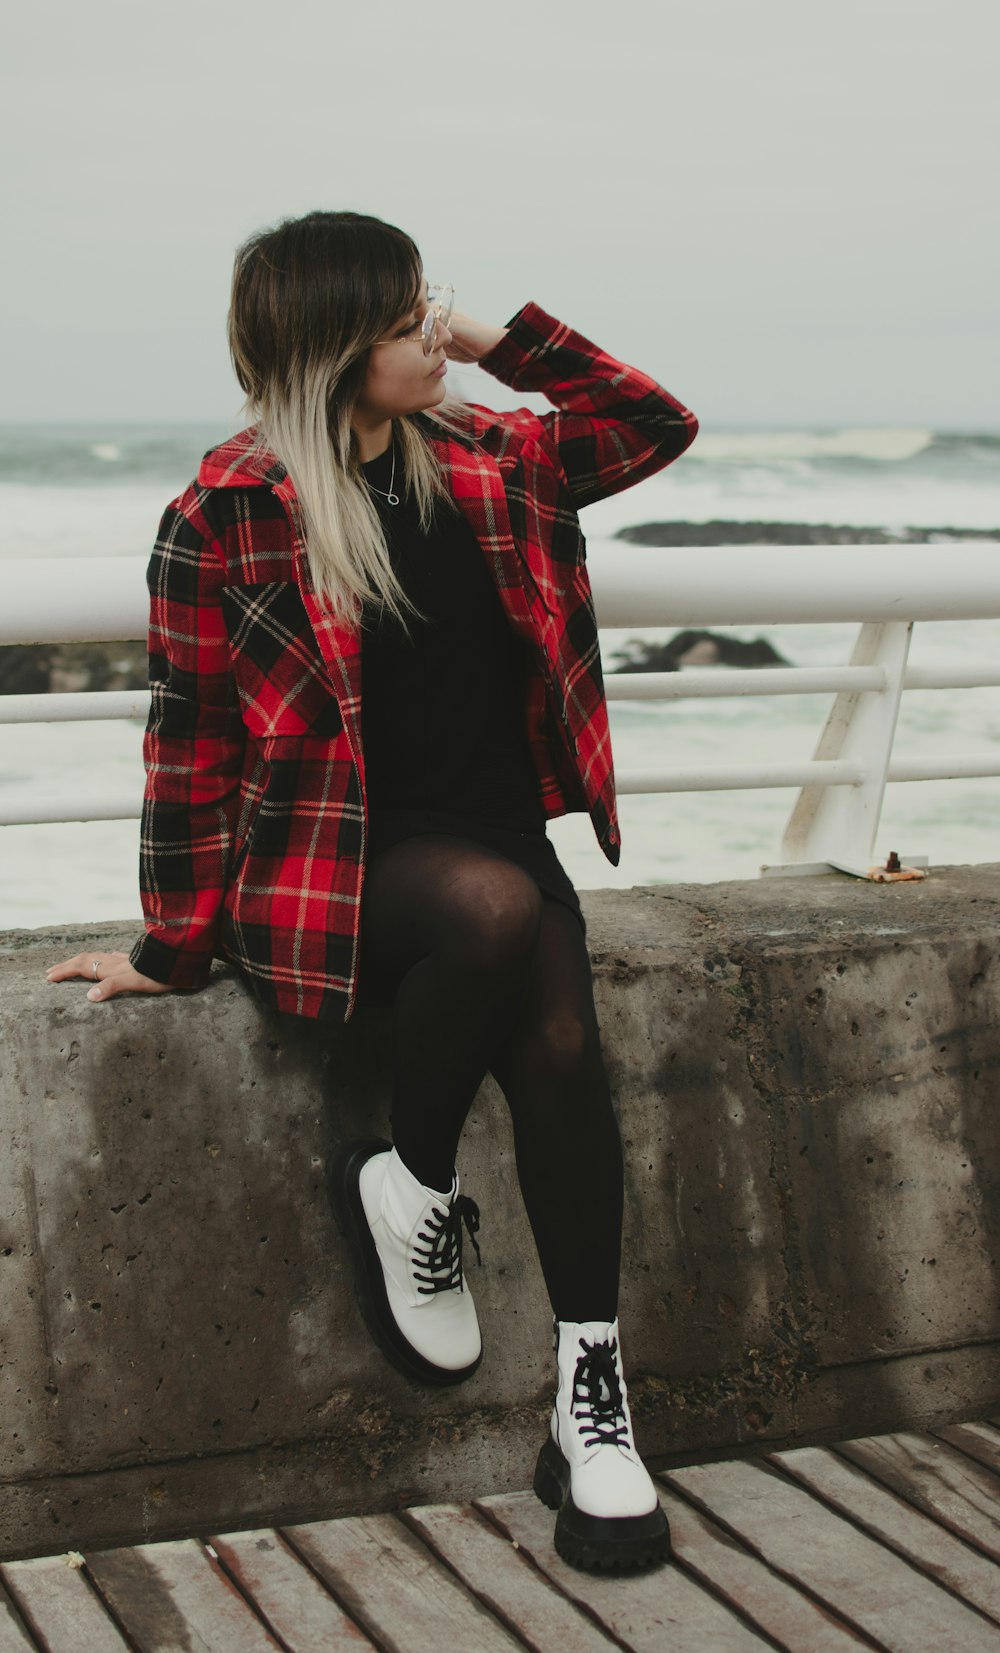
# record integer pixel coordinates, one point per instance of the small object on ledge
(893, 872)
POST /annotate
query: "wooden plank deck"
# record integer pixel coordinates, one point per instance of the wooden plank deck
(891, 1543)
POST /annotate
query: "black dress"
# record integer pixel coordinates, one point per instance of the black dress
(442, 712)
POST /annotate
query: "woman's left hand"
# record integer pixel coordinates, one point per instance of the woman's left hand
(470, 339)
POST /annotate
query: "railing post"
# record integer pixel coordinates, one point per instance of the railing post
(835, 826)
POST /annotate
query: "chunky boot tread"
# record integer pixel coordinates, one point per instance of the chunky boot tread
(345, 1192)
(597, 1543)
(634, 1557)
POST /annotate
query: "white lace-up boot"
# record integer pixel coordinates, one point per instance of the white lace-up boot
(609, 1515)
(407, 1241)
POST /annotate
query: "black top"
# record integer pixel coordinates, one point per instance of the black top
(442, 711)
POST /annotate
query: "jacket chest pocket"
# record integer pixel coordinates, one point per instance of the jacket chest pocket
(283, 685)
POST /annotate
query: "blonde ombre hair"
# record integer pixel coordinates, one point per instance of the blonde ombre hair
(309, 299)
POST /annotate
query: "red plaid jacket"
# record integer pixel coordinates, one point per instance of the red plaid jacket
(254, 824)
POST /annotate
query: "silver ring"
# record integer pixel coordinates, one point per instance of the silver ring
(96, 976)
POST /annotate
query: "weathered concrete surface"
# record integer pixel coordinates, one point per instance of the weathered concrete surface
(806, 1074)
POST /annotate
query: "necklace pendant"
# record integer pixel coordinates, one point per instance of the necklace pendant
(393, 499)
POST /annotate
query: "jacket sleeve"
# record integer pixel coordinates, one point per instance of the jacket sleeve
(193, 753)
(613, 426)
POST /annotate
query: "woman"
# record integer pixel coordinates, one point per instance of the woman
(375, 675)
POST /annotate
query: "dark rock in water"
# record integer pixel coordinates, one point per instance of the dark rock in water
(696, 648)
(67, 668)
(25, 668)
(792, 533)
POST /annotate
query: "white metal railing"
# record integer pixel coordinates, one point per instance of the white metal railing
(92, 707)
(834, 821)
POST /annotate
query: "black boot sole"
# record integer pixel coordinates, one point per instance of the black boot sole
(597, 1543)
(345, 1195)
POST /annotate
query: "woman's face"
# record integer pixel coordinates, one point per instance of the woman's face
(400, 378)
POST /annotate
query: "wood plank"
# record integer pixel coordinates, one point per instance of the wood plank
(977, 1440)
(14, 1638)
(856, 1577)
(173, 1598)
(895, 1522)
(649, 1612)
(60, 1607)
(746, 1582)
(935, 1478)
(490, 1565)
(290, 1597)
(396, 1588)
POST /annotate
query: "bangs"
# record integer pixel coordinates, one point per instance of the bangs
(395, 283)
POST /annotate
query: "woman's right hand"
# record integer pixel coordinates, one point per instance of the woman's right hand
(469, 339)
(109, 974)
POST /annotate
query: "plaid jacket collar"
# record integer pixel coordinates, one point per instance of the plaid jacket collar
(477, 487)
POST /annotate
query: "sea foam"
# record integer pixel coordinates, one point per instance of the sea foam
(877, 444)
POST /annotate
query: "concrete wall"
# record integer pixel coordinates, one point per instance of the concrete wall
(806, 1073)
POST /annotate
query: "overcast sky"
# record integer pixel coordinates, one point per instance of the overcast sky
(786, 210)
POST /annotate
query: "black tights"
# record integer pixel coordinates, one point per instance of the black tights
(485, 974)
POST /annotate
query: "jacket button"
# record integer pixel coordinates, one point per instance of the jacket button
(613, 835)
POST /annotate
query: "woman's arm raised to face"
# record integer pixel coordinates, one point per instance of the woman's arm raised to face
(108, 973)
(613, 425)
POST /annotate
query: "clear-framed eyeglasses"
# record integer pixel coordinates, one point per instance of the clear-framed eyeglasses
(440, 302)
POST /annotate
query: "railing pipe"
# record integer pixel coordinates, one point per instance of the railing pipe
(710, 777)
(715, 682)
(34, 809)
(74, 600)
(692, 683)
(955, 766)
(91, 706)
(983, 676)
(43, 809)
(793, 584)
(104, 599)
(718, 682)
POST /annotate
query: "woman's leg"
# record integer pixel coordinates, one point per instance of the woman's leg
(447, 933)
(570, 1167)
(569, 1155)
(483, 973)
(448, 930)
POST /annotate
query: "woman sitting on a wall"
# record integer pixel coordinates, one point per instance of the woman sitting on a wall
(375, 675)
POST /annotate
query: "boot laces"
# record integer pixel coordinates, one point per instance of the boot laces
(597, 1403)
(437, 1263)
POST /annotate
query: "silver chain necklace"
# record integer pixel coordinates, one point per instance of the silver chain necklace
(390, 497)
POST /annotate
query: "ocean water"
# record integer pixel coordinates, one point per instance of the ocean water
(84, 491)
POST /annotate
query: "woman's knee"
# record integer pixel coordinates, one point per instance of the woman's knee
(436, 895)
(496, 912)
(558, 1053)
